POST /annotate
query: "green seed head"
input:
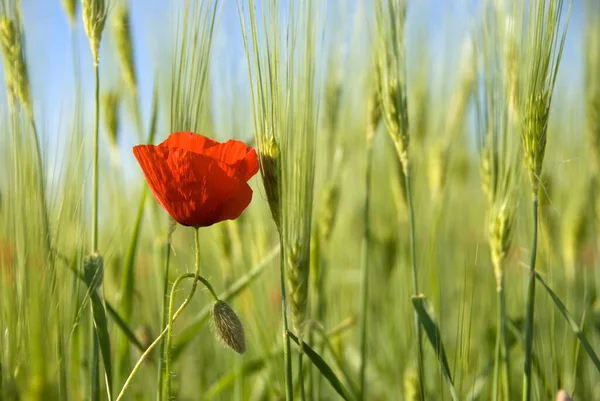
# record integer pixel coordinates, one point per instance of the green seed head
(270, 164)
(15, 67)
(298, 267)
(7, 38)
(70, 7)
(94, 18)
(500, 235)
(122, 35)
(331, 200)
(110, 106)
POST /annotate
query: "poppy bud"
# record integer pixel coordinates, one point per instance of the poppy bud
(227, 327)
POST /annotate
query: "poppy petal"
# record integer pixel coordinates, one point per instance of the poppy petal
(236, 154)
(189, 141)
(194, 189)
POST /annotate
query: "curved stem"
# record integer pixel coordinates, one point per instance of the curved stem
(415, 283)
(95, 164)
(167, 385)
(287, 357)
(158, 339)
(365, 271)
(530, 309)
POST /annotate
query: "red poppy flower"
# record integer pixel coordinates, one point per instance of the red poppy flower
(197, 180)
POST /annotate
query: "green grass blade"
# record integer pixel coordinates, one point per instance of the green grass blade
(324, 368)
(101, 326)
(116, 318)
(189, 333)
(340, 365)
(572, 323)
(432, 330)
(93, 273)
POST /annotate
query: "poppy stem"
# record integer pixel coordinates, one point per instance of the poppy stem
(165, 311)
(166, 330)
(158, 339)
(167, 384)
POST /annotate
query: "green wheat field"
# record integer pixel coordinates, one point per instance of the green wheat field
(424, 223)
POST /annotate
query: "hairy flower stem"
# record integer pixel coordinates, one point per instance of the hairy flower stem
(415, 282)
(167, 376)
(165, 314)
(176, 315)
(364, 290)
(287, 350)
(501, 359)
(95, 164)
(530, 308)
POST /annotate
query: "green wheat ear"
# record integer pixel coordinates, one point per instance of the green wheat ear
(15, 67)
(122, 34)
(70, 7)
(94, 18)
(110, 107)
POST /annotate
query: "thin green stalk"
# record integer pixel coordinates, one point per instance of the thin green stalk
(415, 282)
(364, 290)
(530, 309)
(501, 359)
(165, 311)
(301, 377)
(95, 357)
(287, 357)
(167, 329)
(95, 164)
(505, 345)
(497, 351)
(167, 381)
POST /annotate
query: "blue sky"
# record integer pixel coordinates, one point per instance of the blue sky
(49, 49)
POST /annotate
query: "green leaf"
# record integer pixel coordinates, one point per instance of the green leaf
(93, 271)
(572, 323)
(323, 368)
(432, 330)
